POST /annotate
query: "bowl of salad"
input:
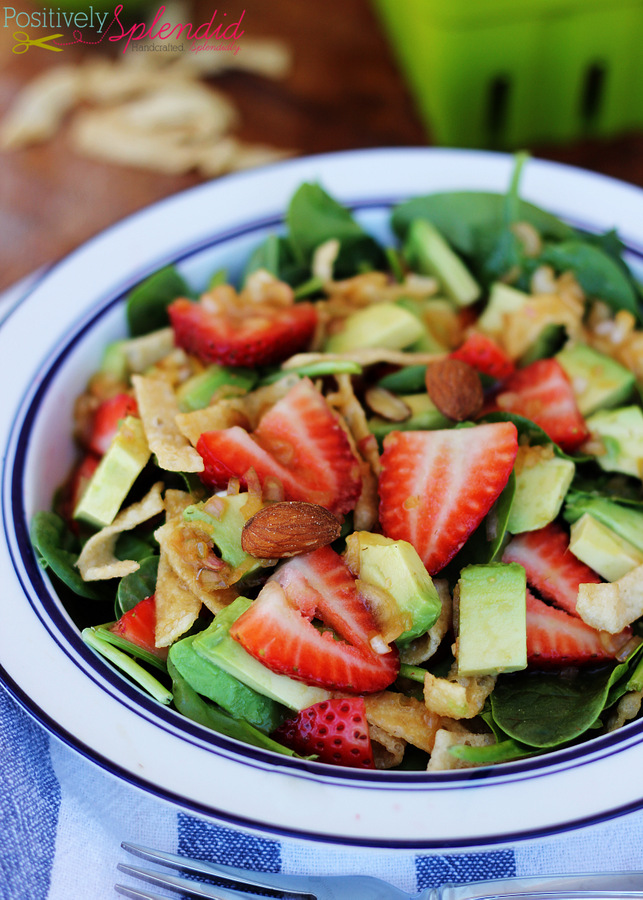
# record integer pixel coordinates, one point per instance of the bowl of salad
(322, 499)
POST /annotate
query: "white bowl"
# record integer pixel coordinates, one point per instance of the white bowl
(49, 345)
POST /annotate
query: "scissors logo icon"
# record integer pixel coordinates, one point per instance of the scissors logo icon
(24, 42)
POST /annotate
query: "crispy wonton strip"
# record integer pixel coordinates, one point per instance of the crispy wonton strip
(365, 356)
(442, 760)
(158, 409)
(177, 608)
(223, 414)
(403, 717)
(97, 560)
(388, 751)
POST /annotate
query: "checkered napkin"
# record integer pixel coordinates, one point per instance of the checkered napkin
(62, 820)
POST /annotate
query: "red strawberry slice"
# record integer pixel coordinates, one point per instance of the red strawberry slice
(437, 486)
(334, 730)
(552, 569)
(484, 355)
(299, 442)
(138, 626)
(322, 581)
(556, 638)
(543, 393)
(106, 421)
(257, 335)
(281, 635)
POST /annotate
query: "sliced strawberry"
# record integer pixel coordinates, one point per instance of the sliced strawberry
(334, 730)
(298, 442)
(138, 626)
(552, 570)
(483, 354)
(322, 581)
(543, 393)
(257, 335)
(106, 420)
(281, 635)
(556, 638)
(436, 486)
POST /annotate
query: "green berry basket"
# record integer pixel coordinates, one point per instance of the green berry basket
(507, 73)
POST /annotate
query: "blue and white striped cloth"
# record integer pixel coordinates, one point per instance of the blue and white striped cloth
(62, 820)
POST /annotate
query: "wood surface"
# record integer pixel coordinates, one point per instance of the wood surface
(344, 92)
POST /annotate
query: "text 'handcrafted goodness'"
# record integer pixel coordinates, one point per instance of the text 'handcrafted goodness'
(218, 27)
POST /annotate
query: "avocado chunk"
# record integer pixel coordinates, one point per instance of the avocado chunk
(197, 392)
(134, 355)
(116, 473)
(215, 645)
(626, 521)
(599, 382)
(602, 549)
(542, 481)
(379, 325)
(502, 301)
(395, 567)
(225, 690)
(223, 518)
(493, 631)
(425, 416)
(428, 253)
(620, 432)
(421, 308)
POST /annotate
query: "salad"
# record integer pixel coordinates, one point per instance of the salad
(376, 506)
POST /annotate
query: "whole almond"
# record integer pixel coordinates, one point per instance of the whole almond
(455, 388)
(288, 528)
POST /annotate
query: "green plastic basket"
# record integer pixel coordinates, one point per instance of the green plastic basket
(495, 73)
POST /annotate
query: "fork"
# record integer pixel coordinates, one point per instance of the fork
(240, 884)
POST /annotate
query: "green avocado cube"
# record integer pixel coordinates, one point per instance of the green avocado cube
(217, 646)
(598, 381)
(542, 481)
(395, 567)
(503, 299)
(602, 549)
(228, 692)
(117, 471)
(384, 325)
(428, 253)
(620, 432)
(492, 635)
(224, 527)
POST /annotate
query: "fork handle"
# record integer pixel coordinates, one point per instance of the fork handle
(617, 885)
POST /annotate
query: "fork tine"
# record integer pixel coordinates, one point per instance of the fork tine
(136, 893)
(293, 884)
(184, 886)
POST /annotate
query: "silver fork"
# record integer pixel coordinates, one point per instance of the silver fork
(241, 884)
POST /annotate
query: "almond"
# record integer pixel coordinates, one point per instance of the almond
(289, 528)
(455, 388)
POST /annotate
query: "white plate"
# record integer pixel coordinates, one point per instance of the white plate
(60, 329)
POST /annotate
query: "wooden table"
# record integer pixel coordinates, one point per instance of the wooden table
(344, 92)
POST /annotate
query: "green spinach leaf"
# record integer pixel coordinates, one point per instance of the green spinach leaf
(137, 586)
(147, 304)
(57, 550)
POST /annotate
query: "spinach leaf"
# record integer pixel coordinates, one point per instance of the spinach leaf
(596, 272)
(471, 221)
(195, 707)
(314, 217)
(276, 255)
(136, 545)
(147, 304)
(546, 709)
(57, 549)
(137, 586)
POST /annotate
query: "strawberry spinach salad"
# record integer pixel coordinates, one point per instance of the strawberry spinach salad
(376, 506)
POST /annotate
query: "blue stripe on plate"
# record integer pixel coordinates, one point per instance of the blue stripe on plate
(461, 868)
(201, 840)
(29, 805)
